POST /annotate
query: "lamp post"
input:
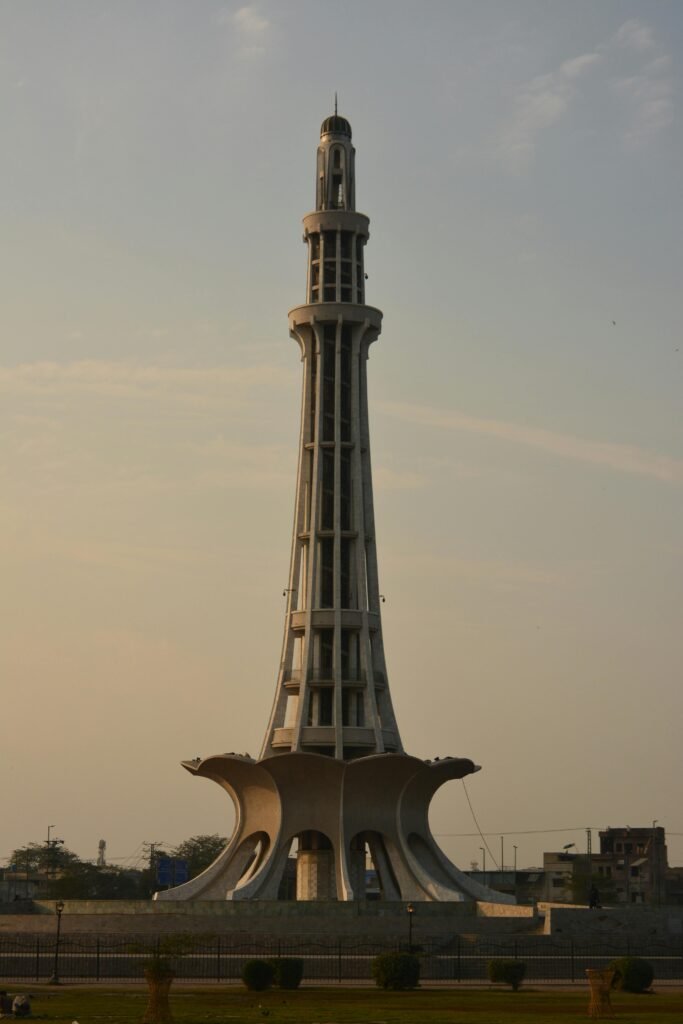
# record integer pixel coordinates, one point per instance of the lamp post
(410, 910)
(59, 908)
(483, 854)
(514, 868)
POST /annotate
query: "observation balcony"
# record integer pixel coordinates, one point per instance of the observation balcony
(352, 678)
(324, 618)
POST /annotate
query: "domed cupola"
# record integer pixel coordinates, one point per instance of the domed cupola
(335, 125)
(336, 186)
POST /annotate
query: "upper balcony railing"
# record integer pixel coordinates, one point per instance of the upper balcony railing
(319, 676)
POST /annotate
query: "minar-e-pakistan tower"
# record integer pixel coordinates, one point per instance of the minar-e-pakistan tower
(332, 773)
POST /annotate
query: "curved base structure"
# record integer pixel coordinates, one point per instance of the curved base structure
(335, 809)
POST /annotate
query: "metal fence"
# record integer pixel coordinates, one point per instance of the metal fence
(221, 959)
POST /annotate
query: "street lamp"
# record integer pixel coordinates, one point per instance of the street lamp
(59, 908)
(410, 910)
(514, 869)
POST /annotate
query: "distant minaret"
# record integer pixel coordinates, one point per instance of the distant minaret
(332, 694)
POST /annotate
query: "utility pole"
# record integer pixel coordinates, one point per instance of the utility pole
(151, 849)
(654, 866)
(50, 850)
(589, 857)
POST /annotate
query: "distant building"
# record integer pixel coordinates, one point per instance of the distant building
(631, 867)
(636, 860)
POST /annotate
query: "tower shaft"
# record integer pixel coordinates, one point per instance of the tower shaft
(332, 694)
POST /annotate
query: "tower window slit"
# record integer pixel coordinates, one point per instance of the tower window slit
(330, 271)
(327, 509)
(314, 242)
(346, 707)
(325, 706)
(330, 244)
(337, 191)
(345, 572)
(345, 390)
(309, 491)
(337, 158)
(326, 653)
(346, 245)
(326, 572)
(329, 353)
(345, 487)
(314, 392)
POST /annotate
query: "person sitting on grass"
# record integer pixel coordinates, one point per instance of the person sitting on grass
(21, 1007)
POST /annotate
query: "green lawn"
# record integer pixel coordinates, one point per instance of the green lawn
(233, 1005)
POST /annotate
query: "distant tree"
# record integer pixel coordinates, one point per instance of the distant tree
(88, 882)
(38, 858)
(199, 852)
(72, 878)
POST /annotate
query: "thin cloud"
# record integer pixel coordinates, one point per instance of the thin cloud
(634, 35)
(251, 29)
(649, 95)
(250, 22)
(538, 105)
(618, 457)
(122, 379)
(636, 71)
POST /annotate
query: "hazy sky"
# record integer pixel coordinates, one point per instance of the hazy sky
(521, 165)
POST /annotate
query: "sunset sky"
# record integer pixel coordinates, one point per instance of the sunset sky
(520, 162)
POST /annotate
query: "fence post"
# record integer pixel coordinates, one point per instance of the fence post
(571, 955)
(339, 960)
(458, 964)
(218, 958)
(97, 959)
(37, 958)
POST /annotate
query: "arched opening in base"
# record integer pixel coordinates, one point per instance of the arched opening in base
(371, 873)
(315, 867)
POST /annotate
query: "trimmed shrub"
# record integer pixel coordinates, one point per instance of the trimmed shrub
(289, 970)
(632, 974)
(258, 975)
(396, 971)
(509, 972)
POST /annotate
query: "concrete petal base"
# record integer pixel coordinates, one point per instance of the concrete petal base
(381, 800)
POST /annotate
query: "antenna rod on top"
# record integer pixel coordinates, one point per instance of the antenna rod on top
(335, 103)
